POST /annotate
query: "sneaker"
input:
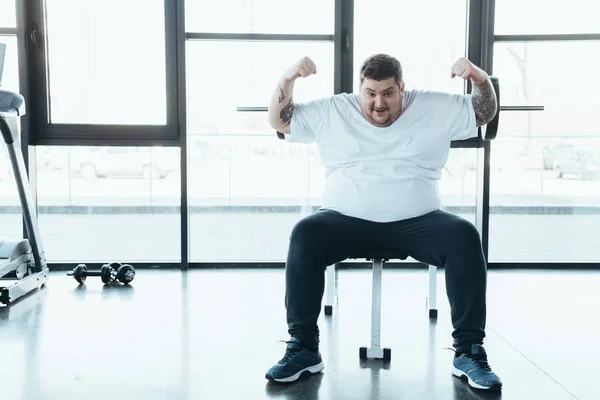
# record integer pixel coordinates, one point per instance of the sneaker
(474, 366)
(296, 361)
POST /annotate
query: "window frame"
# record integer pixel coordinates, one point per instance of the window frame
(45, 132)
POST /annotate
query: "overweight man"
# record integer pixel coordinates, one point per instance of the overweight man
(383, 150)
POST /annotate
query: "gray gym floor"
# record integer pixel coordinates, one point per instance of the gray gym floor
(212, 334)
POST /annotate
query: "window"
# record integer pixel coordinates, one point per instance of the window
(545, 181)
(10, 75)
(426, 43)
(247, 188)
(515, 17)
(106, 65)
(458, 184)
(109, 203)
(7, 14)
(10, 207)
(223, 75)
(260, 16)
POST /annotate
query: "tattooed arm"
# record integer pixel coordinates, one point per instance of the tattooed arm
(484, 97)
(281, 107)
(484, 101)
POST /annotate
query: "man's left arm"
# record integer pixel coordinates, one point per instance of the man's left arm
(483, 97)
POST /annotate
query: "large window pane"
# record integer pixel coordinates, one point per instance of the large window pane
(109, 203)
(260, 16)
(106, 64)
(7, 14)
(10, 207)
(458, 184)
(247, 188)
(10, 75)
(545, 186)
(225, 75)
(543, 16)
(527, 79)
(403, 29)
(246, 193)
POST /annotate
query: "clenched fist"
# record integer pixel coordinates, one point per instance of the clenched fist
(301, 69)
(466, 70)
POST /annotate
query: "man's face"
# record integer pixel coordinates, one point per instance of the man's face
(381, 101)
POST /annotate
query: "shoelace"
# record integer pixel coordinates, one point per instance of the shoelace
(479, 359)
(290, 352)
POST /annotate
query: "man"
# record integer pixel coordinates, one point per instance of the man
(383, 150)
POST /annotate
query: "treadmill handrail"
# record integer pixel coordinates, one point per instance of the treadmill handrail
(12, 105)
(10, 101)
(6, 133)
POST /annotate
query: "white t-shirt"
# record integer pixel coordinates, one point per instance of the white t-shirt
(383, 174)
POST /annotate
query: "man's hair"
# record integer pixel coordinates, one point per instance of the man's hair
(380, 67)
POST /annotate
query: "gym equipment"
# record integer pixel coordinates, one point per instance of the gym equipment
(378, 257)
(80, 273)
(2, 54)
(20, 259)
(110, 272)
(125, 274)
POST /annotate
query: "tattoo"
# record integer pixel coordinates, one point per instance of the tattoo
(286, 112)
(484, 102)
(281, 95)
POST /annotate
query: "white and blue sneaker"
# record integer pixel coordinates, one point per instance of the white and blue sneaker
(475, 368)
(297, 360)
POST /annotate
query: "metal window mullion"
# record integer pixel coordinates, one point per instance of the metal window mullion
(337, 46)
(8, 31)
(487, 61)
(183, 137)
(480, 48)
(171, 68)
(257, 37)
(35, 46)
(345, 44)
(548, 37)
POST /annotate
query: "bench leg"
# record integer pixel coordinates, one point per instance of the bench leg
(432, 292)
(330, 284)
(375, 351)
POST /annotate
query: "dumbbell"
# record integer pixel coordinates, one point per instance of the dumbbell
(106, 273)
(125, 273)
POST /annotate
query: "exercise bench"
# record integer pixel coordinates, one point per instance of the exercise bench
(378, 258)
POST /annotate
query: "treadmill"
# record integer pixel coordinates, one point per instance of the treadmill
(23, 264)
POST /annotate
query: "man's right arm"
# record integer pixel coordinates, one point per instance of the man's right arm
(281, 106)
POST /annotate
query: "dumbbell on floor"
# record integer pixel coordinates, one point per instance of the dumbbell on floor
(124, 273)
(106, 273)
